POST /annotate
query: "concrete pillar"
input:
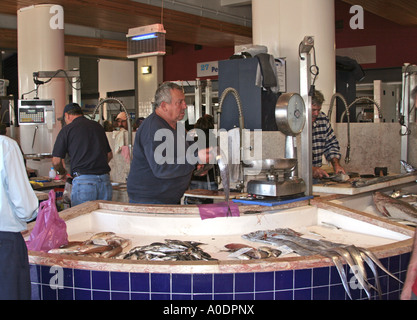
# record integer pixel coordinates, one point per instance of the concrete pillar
(282, 24)
(40, 34)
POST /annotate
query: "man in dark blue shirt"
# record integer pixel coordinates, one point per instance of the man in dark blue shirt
(162, 163)
(86, 143)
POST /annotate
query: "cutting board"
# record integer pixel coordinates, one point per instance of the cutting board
(211, 194)
(346, 187)
(271, 202)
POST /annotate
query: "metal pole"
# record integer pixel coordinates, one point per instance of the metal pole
(208, 97)
(306, 134)
(198, 98)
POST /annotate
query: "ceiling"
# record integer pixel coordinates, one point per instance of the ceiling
(402, 12)
(118, 16)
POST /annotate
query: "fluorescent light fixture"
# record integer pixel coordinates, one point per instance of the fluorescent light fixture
(146, 69)
(144, 37)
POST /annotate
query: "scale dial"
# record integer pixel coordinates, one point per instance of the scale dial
(290, 114)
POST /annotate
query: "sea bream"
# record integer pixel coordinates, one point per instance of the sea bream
(394, 208)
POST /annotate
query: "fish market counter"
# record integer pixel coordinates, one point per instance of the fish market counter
(126, 251)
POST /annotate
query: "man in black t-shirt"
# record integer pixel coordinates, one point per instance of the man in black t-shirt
(86, 143)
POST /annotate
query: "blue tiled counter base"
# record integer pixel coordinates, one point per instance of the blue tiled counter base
(50, 283)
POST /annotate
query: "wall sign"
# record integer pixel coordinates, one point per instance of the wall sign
(207, 69)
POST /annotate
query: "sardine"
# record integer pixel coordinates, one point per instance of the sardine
(395, 208)
(170, 250)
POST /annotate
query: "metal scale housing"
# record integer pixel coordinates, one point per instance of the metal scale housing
(281, 174)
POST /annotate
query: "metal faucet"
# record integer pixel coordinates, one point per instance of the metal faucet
(347, 107)
(329, 115)
(129, 125)
(241, 122)
(239, 106)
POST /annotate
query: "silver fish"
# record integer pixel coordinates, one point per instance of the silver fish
(225, 176)
(372, 266)
(339, 177)
(355, 257)
(407, 167)
(359, 270)
(170, 250)
(378, 263)
(390, 207)
(260, 236)
(340, 269)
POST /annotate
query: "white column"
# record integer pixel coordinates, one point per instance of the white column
(41, 48)
(148, 83)
(282, 24)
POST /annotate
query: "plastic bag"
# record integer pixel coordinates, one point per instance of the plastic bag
(218, 209)
(50, 230)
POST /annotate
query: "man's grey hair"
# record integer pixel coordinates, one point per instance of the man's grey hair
(163, 93)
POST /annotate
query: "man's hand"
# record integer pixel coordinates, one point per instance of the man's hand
(336, 166)
(207, 155)
(319, 173)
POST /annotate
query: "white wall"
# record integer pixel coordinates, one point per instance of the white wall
(115, 75)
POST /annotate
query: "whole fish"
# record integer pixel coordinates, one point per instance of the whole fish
(271, 252)
(372, 266)
(359, 271)
(101, 238)
(70, 248)
(390, 207)
(112, 252)
(170, 250)
(237, 246)
(278, 242)
(225, 176)
(339, 177)
(339, 267)
(407, 167)
(377, 262)
(93, 248)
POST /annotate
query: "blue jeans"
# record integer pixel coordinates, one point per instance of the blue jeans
(90, 187)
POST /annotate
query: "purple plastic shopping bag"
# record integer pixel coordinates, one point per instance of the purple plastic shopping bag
(219, 209)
